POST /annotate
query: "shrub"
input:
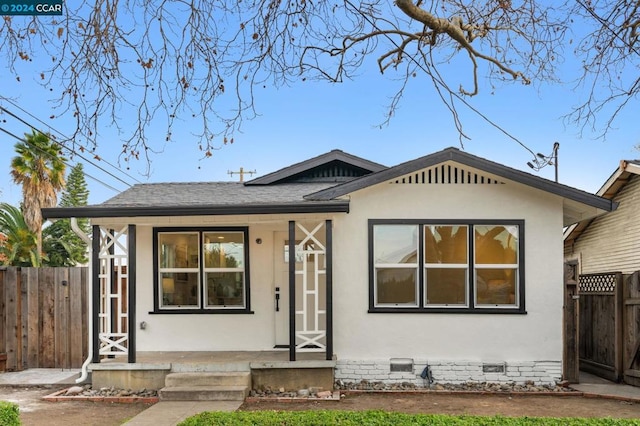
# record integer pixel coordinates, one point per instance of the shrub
(9, 414)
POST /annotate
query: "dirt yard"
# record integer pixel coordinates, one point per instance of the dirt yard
(35, 411)
(484, 405)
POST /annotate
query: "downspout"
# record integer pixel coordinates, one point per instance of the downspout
(85, 366)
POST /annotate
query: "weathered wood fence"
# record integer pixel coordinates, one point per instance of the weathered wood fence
(600, 313)
(43, 317)
(609, 318)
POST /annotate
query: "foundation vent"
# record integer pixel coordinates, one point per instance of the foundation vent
(401, 365)
(495, 367)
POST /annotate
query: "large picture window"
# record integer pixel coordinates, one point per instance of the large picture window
(446, 266)
(201, 270)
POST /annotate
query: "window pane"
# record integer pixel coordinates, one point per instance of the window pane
(223, 250)
(496, 286)
(225, 288)
(445, 244)
(396, 286)
(178, 250)
(496, 244)
(446, 286)
(395, 244)
(179, 289)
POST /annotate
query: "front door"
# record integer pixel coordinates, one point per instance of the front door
(281, 290)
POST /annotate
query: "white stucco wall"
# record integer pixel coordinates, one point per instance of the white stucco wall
(437, 338)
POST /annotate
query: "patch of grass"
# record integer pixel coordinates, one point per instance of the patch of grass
(380, 418)
(9, 414)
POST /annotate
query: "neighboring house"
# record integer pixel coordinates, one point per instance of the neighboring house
(448, 261)
(610, 243)
(602, 256)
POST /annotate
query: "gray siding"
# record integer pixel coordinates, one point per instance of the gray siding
(612, 241)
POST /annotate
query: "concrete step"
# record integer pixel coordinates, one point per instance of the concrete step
(238, 378)
(203, 393)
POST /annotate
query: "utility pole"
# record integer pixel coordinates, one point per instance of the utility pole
(541, 160)
(241, 172)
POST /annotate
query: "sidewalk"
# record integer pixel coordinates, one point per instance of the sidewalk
(40, 377)
(597, 387)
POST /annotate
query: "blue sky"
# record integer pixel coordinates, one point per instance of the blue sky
(308, 119)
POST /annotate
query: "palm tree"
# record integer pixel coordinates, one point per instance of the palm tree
(18, 245)
(40, 168)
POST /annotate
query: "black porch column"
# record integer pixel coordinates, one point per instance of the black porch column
(292, 290)
(95, 295)
(131, 293)
(329, 289)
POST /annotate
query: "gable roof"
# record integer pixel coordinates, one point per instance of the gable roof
(282, 192)
(578, 205)
(618, 179)
(333, 166)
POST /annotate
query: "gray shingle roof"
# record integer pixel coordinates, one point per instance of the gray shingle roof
(205, 198)
(211, 193)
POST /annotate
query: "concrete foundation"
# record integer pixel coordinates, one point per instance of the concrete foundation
(129, 376)
(293, 376)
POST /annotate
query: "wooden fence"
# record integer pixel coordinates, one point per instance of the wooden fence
(43, 317)
(609, 318)
(601, 325)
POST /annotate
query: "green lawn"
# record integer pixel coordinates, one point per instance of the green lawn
(380, 418)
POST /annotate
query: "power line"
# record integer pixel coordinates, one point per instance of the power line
(605, 23)
(67, 148)
(41, 151)
(61, 134)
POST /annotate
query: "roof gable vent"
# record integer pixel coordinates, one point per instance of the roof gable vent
(447, 174)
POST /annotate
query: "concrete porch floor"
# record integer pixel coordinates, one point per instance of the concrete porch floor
(267, 368)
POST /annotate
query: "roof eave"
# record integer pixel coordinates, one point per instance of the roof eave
(205, 210)
(453, 154)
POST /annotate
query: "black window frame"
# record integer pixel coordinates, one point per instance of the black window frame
(246, 309)
(471, 308)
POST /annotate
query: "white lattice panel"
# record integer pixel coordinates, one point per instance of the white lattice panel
(310, 326)
(114, 280)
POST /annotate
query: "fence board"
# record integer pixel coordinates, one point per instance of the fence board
(3, 342)
(62, 316)
(48, 310)
(631, 332)
(33, 316)
(12, 312)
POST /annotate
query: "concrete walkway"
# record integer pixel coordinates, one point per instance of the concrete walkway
(170, 413)
(595, 386)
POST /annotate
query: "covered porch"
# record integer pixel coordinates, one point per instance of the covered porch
(296, 307)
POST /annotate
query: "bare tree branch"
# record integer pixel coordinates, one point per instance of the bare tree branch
(203, 64)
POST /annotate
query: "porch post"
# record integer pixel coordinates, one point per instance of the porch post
(292, 290)
(131, 292)
(95, 294)
(329, 290)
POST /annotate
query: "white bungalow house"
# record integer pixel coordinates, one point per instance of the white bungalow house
(449, 266)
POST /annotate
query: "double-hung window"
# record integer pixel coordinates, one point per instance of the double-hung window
(446, 266)
(201, 270)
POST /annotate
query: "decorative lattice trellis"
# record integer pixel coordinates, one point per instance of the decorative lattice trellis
(598, 283)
